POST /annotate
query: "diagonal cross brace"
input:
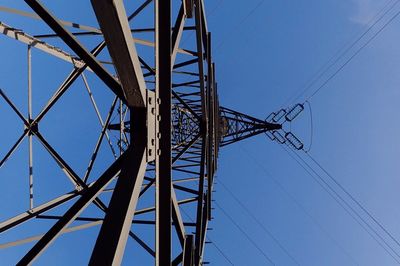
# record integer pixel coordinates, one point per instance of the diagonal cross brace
(110, 244)
(114, 24)
(77, 47)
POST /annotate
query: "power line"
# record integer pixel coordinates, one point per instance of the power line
(240, 23)
(317, 90)
(354, 199)
(299, 205)
(245, 234)
(258, 222)
(338, 197)
(216, 6)
(343, 51)
(350, 207)
(219, 250)
(354, 55)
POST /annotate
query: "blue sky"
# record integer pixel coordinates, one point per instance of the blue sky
(266, 52)
(265, 60)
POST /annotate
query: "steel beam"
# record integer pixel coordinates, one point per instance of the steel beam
(195, 139)
(151, 209)
(15, 109)
(210, 134)
(35, 16)
(98, 112)
(200, 202)
(99, 141)
(200, 212)
(114, 232)
(39, 44)
(114, 24)
(177, 218)
(188, 4)
(38, 237)
(177, 260)
(87, 197)
(110, 244)
(30, 148)
(67, 84)
(77, 47)
(188, 251)
(25, 216)
(163, 160)
(177, 33)
(91, 219)
(14, 147)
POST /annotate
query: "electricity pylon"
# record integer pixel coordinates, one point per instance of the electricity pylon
(165, 115)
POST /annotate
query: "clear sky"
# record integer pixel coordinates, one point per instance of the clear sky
(266, 53)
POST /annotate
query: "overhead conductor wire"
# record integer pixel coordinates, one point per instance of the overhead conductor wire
(324, 69)
(299, 205)
(340, 200)
(239, 202)
(320, 87)
(267, 258)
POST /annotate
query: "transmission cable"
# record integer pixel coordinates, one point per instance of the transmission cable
(299, 205)
(342, 52)
(219, 250)
(339, 199)
(247, 16)
(333, 75)
(245, 234)
(354, 199)
(258, 222)
(354, 55)
(339, 54)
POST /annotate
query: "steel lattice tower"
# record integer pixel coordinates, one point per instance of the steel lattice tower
(165, 115)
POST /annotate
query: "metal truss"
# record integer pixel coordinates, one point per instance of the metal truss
(164, 128)
(235, 126)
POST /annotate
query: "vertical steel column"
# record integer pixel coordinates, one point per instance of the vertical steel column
(111, 242)
(121, 128)
(200, 213)
(210, 173)
(200, 202)
(163, 158)
(30, 163)
(188, 251)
